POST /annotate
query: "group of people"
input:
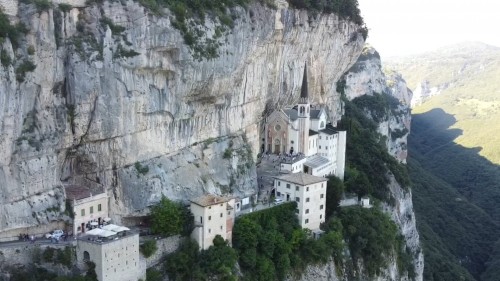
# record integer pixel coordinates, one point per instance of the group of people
(26, 237)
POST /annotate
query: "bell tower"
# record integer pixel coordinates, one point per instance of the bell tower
(303, 110)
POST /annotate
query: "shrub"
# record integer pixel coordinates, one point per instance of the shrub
(65, 7)
(141, 169)
(31, 50)
(5, 59)
(23, 68)
(115, 28)
(148, 248)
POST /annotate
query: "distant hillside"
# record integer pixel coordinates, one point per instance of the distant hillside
(465, 82)
(454, 152)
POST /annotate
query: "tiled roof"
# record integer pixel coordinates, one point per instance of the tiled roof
(291, 113)
(209, 200)
(301, 178)
(329, 130)
(312, 133)
(76, 192)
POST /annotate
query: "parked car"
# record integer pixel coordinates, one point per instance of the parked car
(278, 201)
(56, 234)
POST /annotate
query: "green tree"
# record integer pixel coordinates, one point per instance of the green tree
(245, 239)
(334, 191)
(167, 217)
(219, 260)
(148, 248)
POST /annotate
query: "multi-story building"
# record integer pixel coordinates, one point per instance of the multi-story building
(310, 194)
(87, 208)
(213, 215)
(115, 252)
(314, 146)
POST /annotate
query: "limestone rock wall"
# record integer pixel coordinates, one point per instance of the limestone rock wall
(87, 114)
(365, 78)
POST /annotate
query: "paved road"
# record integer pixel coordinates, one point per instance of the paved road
(19, 243)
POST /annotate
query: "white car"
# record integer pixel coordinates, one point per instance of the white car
(56, 234)
(278, 201)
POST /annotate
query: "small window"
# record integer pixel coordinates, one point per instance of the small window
(320, 216)
(307, 211)
(210, 207)
(83, 212)
(297, 199)
(209, 230)
(296, 188)
(307, 221)
(221, 215)
(279, 183)
(321, 196)
(92, 209)
(288, 185)
(307, 188)
(221, 227)
(221, 205)
(209, 217)
(320, 147)
(321, 184)
(307, 199)
(319, 137)
(321, 207)
(99, 208)
(278, 194)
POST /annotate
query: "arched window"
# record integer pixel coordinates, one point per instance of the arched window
(301, 110)
(277, 141)
(86, 256)
(322, 125)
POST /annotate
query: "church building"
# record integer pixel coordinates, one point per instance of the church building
(304, 137)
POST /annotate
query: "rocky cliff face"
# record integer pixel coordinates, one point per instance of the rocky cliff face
(92, 114)
(366, 78)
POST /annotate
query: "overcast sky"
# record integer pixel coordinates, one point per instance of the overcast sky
(402, 27)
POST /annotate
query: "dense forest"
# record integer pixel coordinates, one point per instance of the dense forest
(455, 194)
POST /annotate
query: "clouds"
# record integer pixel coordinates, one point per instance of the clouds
(399, 27)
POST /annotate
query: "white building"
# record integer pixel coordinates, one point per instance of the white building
(310, 194)
(303, 130)
(213, 215)
(115, 252)
(86, 207)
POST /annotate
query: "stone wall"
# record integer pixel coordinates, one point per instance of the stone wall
(165, 246)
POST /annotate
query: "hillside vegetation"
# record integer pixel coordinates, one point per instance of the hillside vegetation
(468, 76)
(454, 157)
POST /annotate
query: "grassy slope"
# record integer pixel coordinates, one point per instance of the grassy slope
(472, 73)
(454, 155)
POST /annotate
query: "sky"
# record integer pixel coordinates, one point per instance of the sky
(404, 27)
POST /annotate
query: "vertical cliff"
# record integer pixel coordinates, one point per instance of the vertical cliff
(116, 88)
(367, 78)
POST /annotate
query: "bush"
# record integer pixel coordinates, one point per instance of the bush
(148, 248)
(31, 50)
(23, 68)
(141, 169)
(5, 59)
(65, 7)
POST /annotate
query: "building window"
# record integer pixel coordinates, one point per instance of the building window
(277, 128)
(209, 230)
(288, 185)
(279, 194)
(307, 199)
(279, 183)
(91, 209)
(321, 196)
(307, 221)
(296, 188)
(307, 188)
(209, 217)
(210, 207)
(221, 215)
(221, 205)
(297, 199)
(307, 211)
(221, 227)
(83, 212)
(320, 216)
(322, 185)
(320, 147)
(321, 207)
(99, 208)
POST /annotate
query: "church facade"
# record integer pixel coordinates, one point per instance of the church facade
(302, 134)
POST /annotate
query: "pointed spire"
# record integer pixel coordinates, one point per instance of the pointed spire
(303, 92)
